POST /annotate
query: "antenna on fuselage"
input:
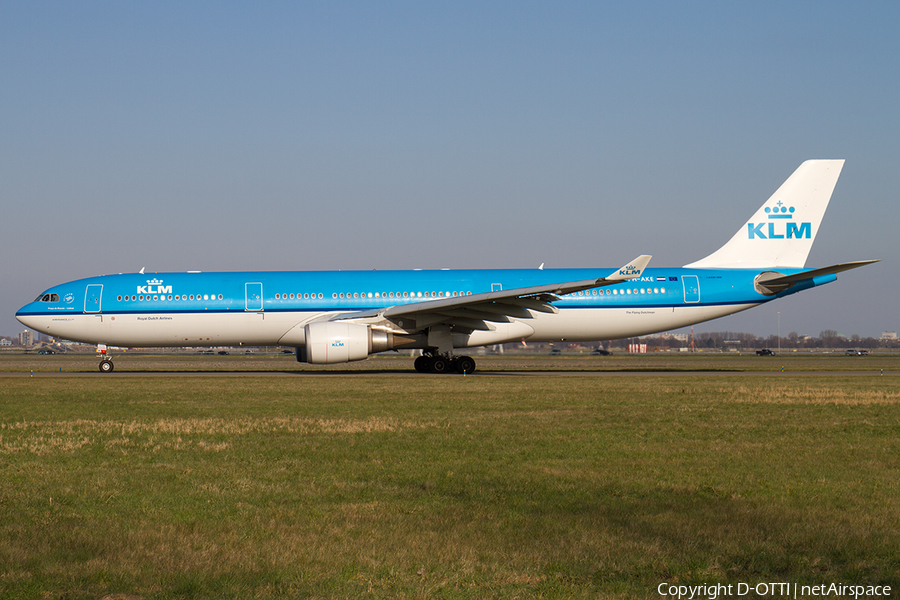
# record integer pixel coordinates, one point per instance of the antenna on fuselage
(141, 271)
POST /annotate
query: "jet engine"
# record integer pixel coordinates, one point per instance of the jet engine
(329, 342)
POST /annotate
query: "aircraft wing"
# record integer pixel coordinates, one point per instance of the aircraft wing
(478, 311)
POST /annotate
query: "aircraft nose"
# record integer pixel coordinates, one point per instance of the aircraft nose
(24, 317)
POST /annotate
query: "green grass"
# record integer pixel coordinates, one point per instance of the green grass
(449, 487)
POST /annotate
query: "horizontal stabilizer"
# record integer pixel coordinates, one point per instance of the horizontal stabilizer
(771, 283)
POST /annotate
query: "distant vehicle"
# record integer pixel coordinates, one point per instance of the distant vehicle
(223, 353)
(857, 352)
(765, 352)
(555, 352)
(601, 352)
(287, 351)
(46, 351)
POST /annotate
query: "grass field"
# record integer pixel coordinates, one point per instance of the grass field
(366, 486)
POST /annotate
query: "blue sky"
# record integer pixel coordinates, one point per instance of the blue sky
(358, 135)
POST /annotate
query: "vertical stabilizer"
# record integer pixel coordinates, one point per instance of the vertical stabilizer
(782, 231)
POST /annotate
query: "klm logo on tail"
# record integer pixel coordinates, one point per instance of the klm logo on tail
(780, 225)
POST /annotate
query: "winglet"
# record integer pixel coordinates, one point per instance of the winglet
(631, 270)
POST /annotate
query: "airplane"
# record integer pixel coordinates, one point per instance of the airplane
(332, 317)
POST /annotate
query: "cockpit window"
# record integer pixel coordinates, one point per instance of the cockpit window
(47, 298)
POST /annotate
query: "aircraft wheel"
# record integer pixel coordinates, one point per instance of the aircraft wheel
(439, 364)
(465, 364)
(106, 366)
(421, 364)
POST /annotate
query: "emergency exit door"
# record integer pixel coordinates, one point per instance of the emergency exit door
(691, 289)
(253, 298)
(92, 297)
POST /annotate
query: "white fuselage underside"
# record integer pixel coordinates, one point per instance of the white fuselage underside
(285, 328)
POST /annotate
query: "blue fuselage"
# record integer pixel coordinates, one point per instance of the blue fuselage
(190, 309)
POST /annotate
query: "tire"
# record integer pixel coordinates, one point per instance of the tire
(106, 366)
(421, 364)
(465, 364)
(439, 365)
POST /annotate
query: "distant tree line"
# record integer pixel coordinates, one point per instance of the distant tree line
(725, 340)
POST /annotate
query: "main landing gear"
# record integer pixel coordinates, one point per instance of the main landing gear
(438, 363)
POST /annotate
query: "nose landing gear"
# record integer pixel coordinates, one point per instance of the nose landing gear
(106, 363)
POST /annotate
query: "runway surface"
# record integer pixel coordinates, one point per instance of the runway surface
(394, 373)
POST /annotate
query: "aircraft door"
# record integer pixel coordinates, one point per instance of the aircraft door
(253, 298)
(92, 296)
(691, 289)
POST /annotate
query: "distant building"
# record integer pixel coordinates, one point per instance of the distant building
(6, 342)
(889, 335)
(26, 338)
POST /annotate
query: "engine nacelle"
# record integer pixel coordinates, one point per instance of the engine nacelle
(329, 342)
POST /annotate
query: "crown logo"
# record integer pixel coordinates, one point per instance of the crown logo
(780, 211)
(154, 281)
